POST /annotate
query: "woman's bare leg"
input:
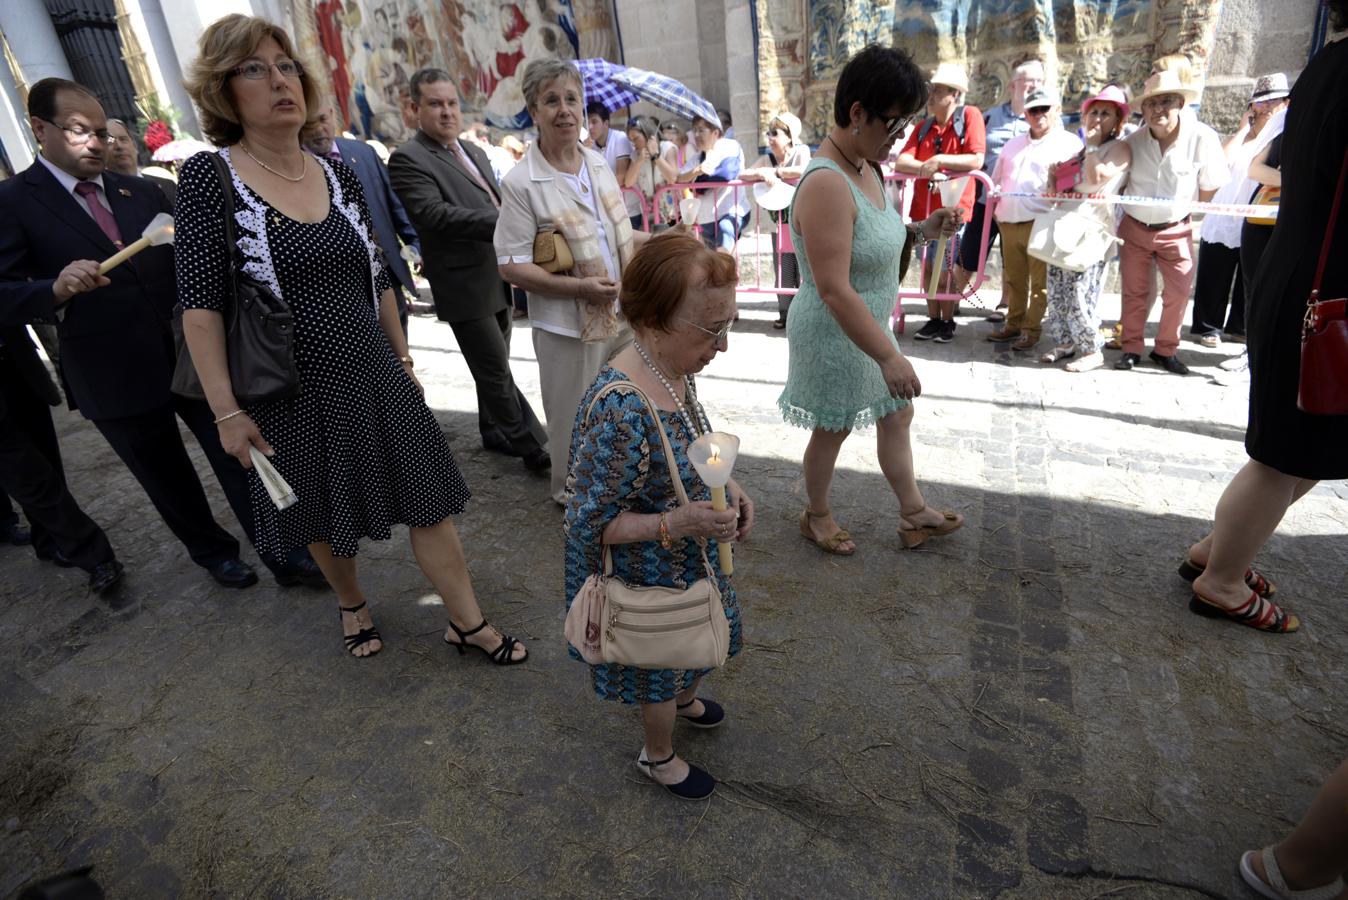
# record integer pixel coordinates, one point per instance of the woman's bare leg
(821, 457)
(1316, 852)
(340, 571)
(895, 448)
(439, 553)
(1200, 552)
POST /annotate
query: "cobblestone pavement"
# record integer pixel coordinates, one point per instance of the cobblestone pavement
(1024, 710)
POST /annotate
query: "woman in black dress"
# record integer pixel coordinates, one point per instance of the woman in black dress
(1289, 450)
(359, 445)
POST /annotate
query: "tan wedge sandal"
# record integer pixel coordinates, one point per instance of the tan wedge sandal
(829, 544)
(918, 534)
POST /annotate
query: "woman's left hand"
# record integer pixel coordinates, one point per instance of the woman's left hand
(740, 502)
(413, 375)
(942, 223)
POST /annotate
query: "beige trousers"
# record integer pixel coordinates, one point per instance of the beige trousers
(567, 367)
(1024, 280)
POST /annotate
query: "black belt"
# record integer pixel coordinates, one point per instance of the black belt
(1163, 226)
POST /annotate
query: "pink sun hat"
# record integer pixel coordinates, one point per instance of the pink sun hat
(1111, 94)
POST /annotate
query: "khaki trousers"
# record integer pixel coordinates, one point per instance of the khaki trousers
(1024, 280)
(567, 367)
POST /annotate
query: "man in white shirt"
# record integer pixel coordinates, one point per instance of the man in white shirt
(1174, 156)
(615, 146)
(1023, 167)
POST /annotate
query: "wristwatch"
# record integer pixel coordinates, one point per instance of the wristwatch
(407, 361)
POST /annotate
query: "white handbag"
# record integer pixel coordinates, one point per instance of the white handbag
(1070, 238)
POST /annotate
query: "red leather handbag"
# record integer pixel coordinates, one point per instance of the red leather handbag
(1323, 387)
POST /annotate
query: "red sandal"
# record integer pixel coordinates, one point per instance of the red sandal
(1256, 612)
(1254, 580)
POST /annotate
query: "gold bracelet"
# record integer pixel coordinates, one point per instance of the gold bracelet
(237, 412)
(666, 540)
(407, 361)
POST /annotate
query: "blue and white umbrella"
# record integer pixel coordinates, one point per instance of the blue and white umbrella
(666, 93)
(598, 75)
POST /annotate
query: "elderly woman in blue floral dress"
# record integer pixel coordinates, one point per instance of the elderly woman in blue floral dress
(680, 300)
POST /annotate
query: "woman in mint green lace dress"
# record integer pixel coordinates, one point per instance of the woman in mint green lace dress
(846, 370)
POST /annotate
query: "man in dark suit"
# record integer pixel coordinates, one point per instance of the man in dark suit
(30, 464)
(447, 187)
(124, 158)
(387, 214)
(57, 218)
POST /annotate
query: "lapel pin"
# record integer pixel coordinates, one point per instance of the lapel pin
(124, 192)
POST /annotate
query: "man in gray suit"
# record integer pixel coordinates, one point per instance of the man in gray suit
(387, 214)
(447, 187)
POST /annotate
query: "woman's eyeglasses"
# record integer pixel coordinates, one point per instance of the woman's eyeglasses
(776, 132)
(256, 70)
(719, 335)
(895, 124)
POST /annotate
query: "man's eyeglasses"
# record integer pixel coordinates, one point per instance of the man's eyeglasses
(256, 70)
(719, 335)
(81, 135)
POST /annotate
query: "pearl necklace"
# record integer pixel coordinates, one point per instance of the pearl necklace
(304, 165)
(693, 430)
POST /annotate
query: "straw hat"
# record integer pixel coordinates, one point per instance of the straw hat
(951, 75)
(1167, 82)
(791, 122)
(1111, 94)
(1270, 87)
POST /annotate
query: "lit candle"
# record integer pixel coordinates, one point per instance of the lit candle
(720, 470)
(713, 455)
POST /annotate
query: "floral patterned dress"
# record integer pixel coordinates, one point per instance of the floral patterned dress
(618, 465)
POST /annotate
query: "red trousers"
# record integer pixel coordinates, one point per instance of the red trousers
(1142, 253)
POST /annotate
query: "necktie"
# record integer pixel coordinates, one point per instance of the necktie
(89, 191)
(467, 163)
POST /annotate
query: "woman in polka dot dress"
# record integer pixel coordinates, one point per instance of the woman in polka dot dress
(358, 445)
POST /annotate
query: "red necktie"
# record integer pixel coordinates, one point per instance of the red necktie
(89, 191)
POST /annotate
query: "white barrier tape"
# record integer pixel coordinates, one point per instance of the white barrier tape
(1244, 210)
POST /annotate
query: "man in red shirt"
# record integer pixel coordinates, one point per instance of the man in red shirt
(951, 139)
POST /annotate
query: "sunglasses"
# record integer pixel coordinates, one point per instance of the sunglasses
(774, 132)
(1039, 110)
(896, 124)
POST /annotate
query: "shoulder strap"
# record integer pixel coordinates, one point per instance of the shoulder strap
(927, 124)
(1329, 230)
(235, 255)
(959, 123)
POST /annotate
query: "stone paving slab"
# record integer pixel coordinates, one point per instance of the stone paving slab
(1024, 710)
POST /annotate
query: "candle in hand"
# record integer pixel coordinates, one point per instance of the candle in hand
(713, 455)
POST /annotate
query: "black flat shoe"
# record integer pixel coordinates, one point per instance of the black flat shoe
(501, 656)
(712, 714)
(355, 641)
(16, 534)
(1127, 361)
(233, 573)
(1169, 363)
(301, 572)
(699, 785)
(105, 578)
(496, 442)
(538, 460)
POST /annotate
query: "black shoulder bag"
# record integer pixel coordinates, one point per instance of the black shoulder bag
(259, 329)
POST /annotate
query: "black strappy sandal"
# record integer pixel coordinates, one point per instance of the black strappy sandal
(501, 656)
(712, 713)
(699, 785)
(360, 638)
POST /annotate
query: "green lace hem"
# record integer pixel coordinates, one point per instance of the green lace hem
(841, 421)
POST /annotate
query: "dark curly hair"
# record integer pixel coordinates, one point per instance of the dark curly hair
(879, 78)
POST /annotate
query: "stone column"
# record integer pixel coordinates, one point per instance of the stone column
(15, 135)
(32, 39)
(151, 27)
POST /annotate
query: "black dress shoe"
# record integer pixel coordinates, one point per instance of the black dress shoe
(303, 572)
(1127, 361)
(538, 460)
(497, 442)
(57, 558)
(1169, 363)
(105, 578)
(16, 534)
(233, 573)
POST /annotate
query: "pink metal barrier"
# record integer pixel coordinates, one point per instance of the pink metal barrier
(646, 217)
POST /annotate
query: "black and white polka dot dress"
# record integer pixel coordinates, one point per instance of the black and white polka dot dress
(358, 445)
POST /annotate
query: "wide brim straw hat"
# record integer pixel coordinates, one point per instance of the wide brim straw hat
(1168, 82)
(1111, 94)
(791, 122)
(951, 75)
(1270, 87)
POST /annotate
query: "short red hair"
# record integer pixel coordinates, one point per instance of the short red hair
(662, 273)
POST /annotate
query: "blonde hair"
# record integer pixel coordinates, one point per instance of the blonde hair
(224, 45)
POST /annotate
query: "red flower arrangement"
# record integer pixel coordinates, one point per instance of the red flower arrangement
(157, 134)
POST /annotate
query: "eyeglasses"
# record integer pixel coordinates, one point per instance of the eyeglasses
(256, 70)
(773, 132)
(895, 124)
(719, 335)
(81, 135)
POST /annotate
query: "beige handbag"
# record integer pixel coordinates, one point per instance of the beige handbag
(552, 253)
(649, 626)
(1071, 238)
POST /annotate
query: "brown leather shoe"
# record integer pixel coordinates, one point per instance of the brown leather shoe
(1026, 341)
(1002, 335)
